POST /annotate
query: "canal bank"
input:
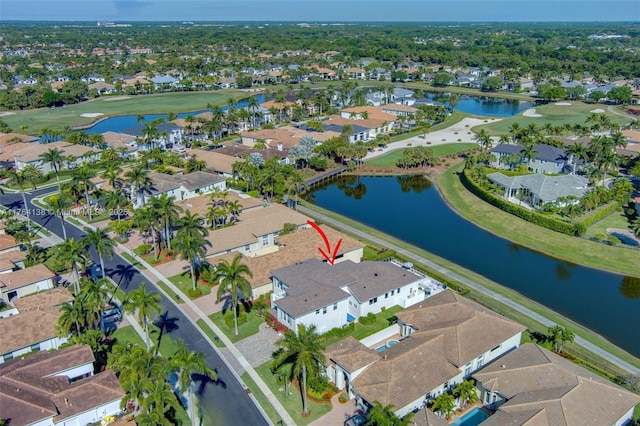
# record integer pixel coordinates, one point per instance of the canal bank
(536, 317)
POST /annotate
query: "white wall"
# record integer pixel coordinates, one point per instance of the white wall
(325, 321)
(381, 335)
(78, 371)
(92, 416)
(418, 403)
(408, 295)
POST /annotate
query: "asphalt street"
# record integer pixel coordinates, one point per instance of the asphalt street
(223, 403)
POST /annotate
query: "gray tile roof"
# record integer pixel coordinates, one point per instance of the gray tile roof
(547, 188)
(545, 152)
(161, 182)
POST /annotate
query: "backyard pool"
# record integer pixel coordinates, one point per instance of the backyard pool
(387, 345)
(472, 418)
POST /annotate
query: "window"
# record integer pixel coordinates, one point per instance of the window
(386, 295)
(398, 291)
(265, 240)
(317, 311)
(247, 247)
(335, 306)
(35, 347)
(374, 300)
(392, 291)
(467, 369)
(496, 348)
(480, 361)
(324, 310)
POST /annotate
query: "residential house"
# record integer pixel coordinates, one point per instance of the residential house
(8, 244)
(313, 292)
(256, 232)
(164, 82)
(293, 248)
(26, 281)
(75, 155)
(367, 122)
(218, 163)
(380, 74)
(168, 134)
(58, 389)
(182, 187)
(443, 340)
(356, 73)
(283, 138)
(125, 144)
(399, 110)
(11, 260)
(532, 385)
(102, 88)
(31, 327)
(321, 73)
(548, 159)
(538, 189)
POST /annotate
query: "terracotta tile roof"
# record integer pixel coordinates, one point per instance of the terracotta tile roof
(287, 136)
(553, 390)
(118, 140)
(253, 224)
(351, 354)
(293, 248)
(23, 277)
(46, 301)
(7, 241)
(406, 371)
(216, 161)
(368, 123)
(33, 151)
(14, 257)
(31, 391)
(469, 329)
(8, 150)
(632, 135)
(12, 138)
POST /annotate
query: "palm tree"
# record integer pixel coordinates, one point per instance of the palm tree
(145, 305)
(99, 239)
(73, 254)
(305, 352)
(29, 173)
(60, 204)
(139, 180)
(233, 278)
(55, 157)
(146, 219)
(72, 319)
(466, 392)
(483, 138)
(114, 200)
(168, 212)
(83, 175)
(380, 415)
(190, 224)
(191, 248)
(559, 336)
(444, 404)
(529, 152)
(95, 295)
(188, 363)
(579, 152)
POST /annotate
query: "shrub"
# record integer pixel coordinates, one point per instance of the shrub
(340, 331)
(142, 249)
(193, 293)
(343, 398)
(318, 383)
(367, 320)
(228, 318)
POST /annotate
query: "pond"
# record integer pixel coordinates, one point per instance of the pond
(122, 122)
(410, 209)
(483, 106)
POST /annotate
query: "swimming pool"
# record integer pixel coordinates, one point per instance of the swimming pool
(387, 345)
(472, 418)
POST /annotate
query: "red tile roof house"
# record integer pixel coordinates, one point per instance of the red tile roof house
(8, 243)
(533, 386)
(26, 281)
(58, 389)
(443, 340)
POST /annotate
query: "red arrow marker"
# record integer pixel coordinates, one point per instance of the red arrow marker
(330, 258)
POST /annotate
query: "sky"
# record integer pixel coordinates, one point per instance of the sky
(321, 10)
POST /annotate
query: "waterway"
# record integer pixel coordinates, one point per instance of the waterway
(411, 209)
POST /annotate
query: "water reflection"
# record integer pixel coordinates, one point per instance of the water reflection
(415, 183)
(352, 186)
(630, 287)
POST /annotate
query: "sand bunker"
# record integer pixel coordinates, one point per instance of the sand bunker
(117, 98)
(597, 110)
(531, 112)
(91, 114)
(563, 103)
(2, 114)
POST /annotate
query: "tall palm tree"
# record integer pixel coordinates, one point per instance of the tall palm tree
(145, 305)
(579, 152)
(559, 336)
(73, 254)
(233, 278)
(140, 182)
(96, 295)
(483, 138)
(305, 352)
(191, 248)
(55, 157)
(146, 219)
(99, 239)
(383, 415)
(169, 214)
(190, 224)
(114, 200)
(188, 363)
(529, 152)
(444, 404)
(83, 175)
(73, 318)
(466, 392)
(60, 203)
(29, 174)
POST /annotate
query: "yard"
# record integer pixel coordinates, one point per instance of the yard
(111, 106)
(249, 328)
(390, 159)
(557, 115)
(128, 334)
(383, 320)
(183, 282)
(293, 401)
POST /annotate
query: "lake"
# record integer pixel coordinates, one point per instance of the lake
(483, 106)
(411, 209)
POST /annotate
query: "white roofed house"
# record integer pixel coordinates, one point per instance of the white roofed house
(181, 187)
(313, 292)
(166, 134)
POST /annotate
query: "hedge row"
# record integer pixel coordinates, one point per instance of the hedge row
(603, 212)
(528, 215)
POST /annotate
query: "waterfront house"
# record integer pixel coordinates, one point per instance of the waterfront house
(181, 187)
(548, 159)
(538, 189)
(532, 385)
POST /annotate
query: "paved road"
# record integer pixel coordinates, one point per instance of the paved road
(226, 403)
(474, 285)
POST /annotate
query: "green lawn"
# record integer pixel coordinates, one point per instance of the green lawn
(133, 261)
(383, 320)
(183, 282)
(293, 402)
(636, 413)
(614, 220)
(118, 105)
(128, 334)
(392, 158)
(261, 398)
(247, 329)
(214, 338)
(557, 115)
